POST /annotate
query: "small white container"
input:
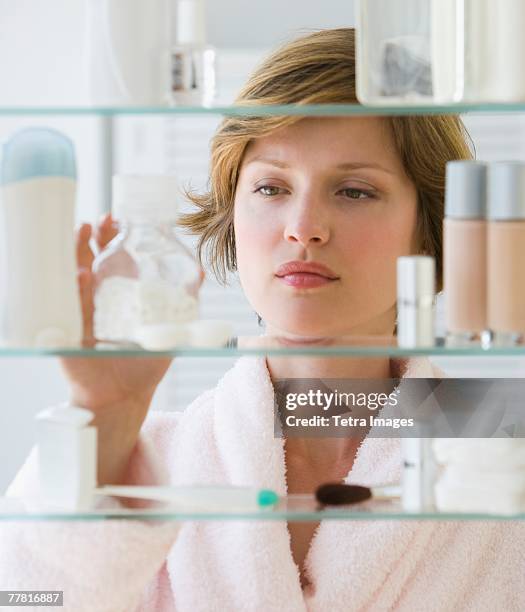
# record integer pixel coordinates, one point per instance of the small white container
(41, 307)
(67, 458)
(416, 280)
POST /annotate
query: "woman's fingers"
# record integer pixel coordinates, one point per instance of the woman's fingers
(106, 230)
(84, 253)
(85, 285)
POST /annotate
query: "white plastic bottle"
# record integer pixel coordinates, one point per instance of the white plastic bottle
(41, 305)
(126, 52)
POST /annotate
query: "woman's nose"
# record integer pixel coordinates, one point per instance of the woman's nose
(306, 224)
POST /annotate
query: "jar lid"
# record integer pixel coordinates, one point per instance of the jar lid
(145, 198)
(37, 152)
(416, 278)
(506, 192)
(466, 190)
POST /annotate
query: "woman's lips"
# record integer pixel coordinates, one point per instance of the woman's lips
(305, 275)
(305, 279)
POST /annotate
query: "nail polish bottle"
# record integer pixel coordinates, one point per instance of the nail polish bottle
(506, 253)
(465, 252)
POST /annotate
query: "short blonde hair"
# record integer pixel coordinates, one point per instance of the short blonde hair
(316, 69)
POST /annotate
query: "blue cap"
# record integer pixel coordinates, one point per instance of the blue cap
(35, 152)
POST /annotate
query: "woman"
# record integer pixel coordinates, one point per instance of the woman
(313, 214)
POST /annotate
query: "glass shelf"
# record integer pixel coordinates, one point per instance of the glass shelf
(265, 346)
(313, 110)
(302, 508)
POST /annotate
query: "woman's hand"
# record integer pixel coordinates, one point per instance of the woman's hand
(118, 390)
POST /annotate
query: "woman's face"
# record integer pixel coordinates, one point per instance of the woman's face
(323, 209)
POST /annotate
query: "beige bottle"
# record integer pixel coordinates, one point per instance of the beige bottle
(465, 252)
(506, 248)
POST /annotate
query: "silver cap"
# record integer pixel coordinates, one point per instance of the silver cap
(466, 190)
(506, 191)
(416, 280)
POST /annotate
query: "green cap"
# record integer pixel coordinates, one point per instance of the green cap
(267, 497)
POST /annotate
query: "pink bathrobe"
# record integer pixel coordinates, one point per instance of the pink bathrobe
(227, 436)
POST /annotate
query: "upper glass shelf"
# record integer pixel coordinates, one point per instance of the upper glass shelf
(307, 110)
(296, 508)
(376, 346)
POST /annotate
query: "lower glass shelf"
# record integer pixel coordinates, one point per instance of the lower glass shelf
(299, 508)
(345, 346)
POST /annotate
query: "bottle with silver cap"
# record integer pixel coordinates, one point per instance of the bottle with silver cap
(416, 281)
(465, 252)
(506, 252)
(192, 61)
(145, 278)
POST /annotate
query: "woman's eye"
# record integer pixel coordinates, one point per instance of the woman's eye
(356, 194)
(269, 190)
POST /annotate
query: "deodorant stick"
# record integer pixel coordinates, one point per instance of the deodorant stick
(41, 307)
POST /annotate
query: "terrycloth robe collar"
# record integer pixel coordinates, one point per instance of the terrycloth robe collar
(350, 561)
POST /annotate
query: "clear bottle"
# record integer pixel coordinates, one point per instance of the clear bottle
(145, 276)
(393, 52)
(192, 60)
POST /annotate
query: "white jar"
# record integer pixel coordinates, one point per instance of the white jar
(145, 276)
(41, 303)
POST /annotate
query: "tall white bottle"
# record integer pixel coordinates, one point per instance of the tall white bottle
(126, 51)
(41, 303)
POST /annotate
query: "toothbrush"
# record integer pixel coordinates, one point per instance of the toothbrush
(208, 497)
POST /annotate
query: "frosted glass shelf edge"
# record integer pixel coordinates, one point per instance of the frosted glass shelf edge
(260, 110)
(395, 513)
(340, 351)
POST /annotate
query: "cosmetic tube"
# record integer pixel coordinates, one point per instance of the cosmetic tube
(192, 62)
(67, 458)
(506, 252)
(415, 301)
(465, 252)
